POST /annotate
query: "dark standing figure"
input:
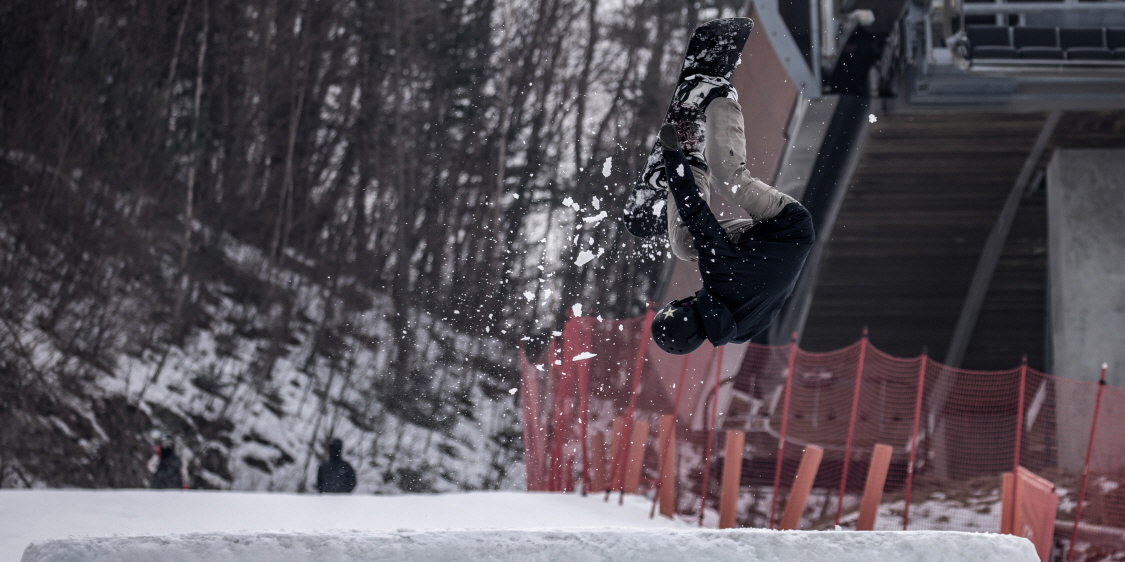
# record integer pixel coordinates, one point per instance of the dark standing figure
(169, 471)
(335, 475)
(749, 265)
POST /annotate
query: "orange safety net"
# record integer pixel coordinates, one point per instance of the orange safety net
(953, 432)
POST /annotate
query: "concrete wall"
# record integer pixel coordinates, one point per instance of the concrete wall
(1086, 255)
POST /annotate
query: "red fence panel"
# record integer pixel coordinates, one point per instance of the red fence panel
(953, 431)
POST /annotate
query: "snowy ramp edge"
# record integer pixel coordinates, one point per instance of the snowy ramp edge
(619, 545)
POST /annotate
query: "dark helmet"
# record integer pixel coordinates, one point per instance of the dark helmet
(678, 327)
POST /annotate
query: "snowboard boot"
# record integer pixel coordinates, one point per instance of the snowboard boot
(688, 112)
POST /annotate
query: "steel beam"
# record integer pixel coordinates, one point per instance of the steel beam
(994, 245)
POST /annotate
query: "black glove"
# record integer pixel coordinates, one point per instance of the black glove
(668, 137)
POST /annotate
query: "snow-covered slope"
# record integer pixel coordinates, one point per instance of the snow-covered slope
(601, 545)
(35, 515)
(221, 526)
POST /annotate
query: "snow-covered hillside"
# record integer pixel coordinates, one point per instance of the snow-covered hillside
(249, 414)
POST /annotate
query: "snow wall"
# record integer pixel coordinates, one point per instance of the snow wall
(546, 545)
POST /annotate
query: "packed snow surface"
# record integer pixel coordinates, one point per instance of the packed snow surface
(618, 545)
(500, 526)
(36, 515)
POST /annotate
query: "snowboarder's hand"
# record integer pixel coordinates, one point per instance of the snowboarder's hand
(668, 138)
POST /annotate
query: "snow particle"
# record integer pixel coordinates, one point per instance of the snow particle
(577, 309)
(584, 356)
(597, 218)
(607, 167)
(871, 118)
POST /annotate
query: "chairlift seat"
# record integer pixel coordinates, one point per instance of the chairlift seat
(1084, 43)
(1115, 41)
(991, 42)
(1037, 42)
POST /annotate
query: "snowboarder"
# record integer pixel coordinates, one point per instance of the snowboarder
(749, 265)
(168, 471)
(335, 475)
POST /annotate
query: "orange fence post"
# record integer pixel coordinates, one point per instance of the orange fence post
(1086, 465)
(636, 457)
(732, 477)
(615, 476)
(534, 454)
(666, 482)
(851, 425)
(577, 339)
(802, 485)
(914, 439)
(784, 425)
(597, 462)
(1007, 509)
(1019, 430)
(1033, 515)
(638, 367)
(668, 443)
(873, 489)
(710, 440)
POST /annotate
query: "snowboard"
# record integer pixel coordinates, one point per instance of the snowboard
(713, 52)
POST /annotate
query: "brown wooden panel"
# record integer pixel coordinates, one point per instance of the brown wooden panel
(767, 96)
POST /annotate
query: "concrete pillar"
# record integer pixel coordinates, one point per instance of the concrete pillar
(1086, 255)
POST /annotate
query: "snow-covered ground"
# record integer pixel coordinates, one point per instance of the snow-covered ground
(218, 526)
(35, 515)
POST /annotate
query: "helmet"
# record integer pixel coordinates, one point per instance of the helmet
(167, 445)
(678, 327)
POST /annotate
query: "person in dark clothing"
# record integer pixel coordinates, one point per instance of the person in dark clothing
(169, 472)
(335, 475)
(749, 265)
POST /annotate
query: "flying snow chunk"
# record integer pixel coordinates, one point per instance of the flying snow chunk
(530, 296)
(577, 309)
(568, 202)
(597, 203)
(513, 391)
(871, 118)
(607, 167)
(680, 170)
(584, 356)
(658, 208)
(584, 257)
(596, 218)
